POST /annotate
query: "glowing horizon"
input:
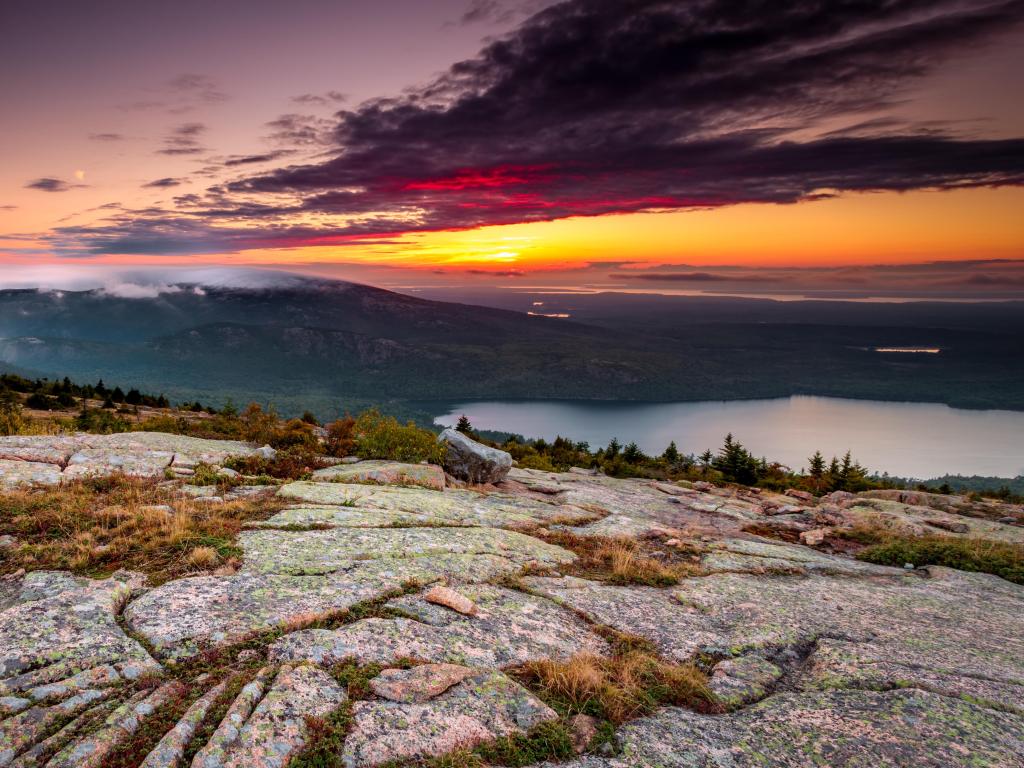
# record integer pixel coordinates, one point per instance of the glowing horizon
(489, 168)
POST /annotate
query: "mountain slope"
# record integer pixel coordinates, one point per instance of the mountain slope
(331, 345)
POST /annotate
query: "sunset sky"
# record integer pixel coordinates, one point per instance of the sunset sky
(640, 143)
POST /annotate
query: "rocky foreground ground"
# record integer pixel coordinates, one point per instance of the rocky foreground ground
(815, 658)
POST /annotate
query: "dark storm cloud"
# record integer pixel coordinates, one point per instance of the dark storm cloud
(595, 107)
(162, 183)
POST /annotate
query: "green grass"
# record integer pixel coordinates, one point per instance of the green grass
(979, 555)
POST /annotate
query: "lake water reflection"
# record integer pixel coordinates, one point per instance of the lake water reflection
(921, 440)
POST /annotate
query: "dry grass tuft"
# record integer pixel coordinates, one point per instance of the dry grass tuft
(618, 688)
(627, 561)
(203, 558)
(95, 527)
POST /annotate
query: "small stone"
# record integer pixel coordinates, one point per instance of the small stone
(228, 473)
(351, 460)
(908, 566)
(949, 525)
(7, 541)
(814, 537)
(248, 654)
(266, 452)
(672, 543)
(449, 598)
(419, 684)
(583, 729)
(1007, 520)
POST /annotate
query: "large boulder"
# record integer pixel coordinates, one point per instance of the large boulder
(471, 461)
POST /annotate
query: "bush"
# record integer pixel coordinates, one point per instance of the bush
(12, 421)
(340, 437)
(259, 426)
(294, 434)
(40, 402)
(289, 464)
(382, 437)
(101, 422)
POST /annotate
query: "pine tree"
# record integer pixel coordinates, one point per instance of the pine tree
(671, 454)
(817, 470)
(706, 459)
(613, 448)
(632, 454)
(464, 426)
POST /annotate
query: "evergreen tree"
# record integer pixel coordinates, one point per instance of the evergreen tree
(613, 448)
(816, 466)
(632, 454)
(735, 462)
(464, 426)
(706, 459)
(671, 454)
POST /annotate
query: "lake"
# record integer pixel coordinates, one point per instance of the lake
(921, 440)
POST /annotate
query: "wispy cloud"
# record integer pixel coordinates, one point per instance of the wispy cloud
(162, 183)
(327, 99)
(184, 140)
(51, 184)
(264, 157)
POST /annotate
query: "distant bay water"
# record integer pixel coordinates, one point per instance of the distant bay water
(920, 440)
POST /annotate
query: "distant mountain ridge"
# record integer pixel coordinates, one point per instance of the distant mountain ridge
(331, 344)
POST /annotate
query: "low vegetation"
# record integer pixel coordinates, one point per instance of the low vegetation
(980, 555)
(631, 683)
(97, 526)
(41, 406)
(382, 437)
(627, 561)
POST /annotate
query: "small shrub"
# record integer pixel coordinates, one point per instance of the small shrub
(100, 421)
(340, 437)
(204, 474)
(175, 425)
(12, 419)
(258, 425)
(382, 437)
(295, 433)
(290, 464)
